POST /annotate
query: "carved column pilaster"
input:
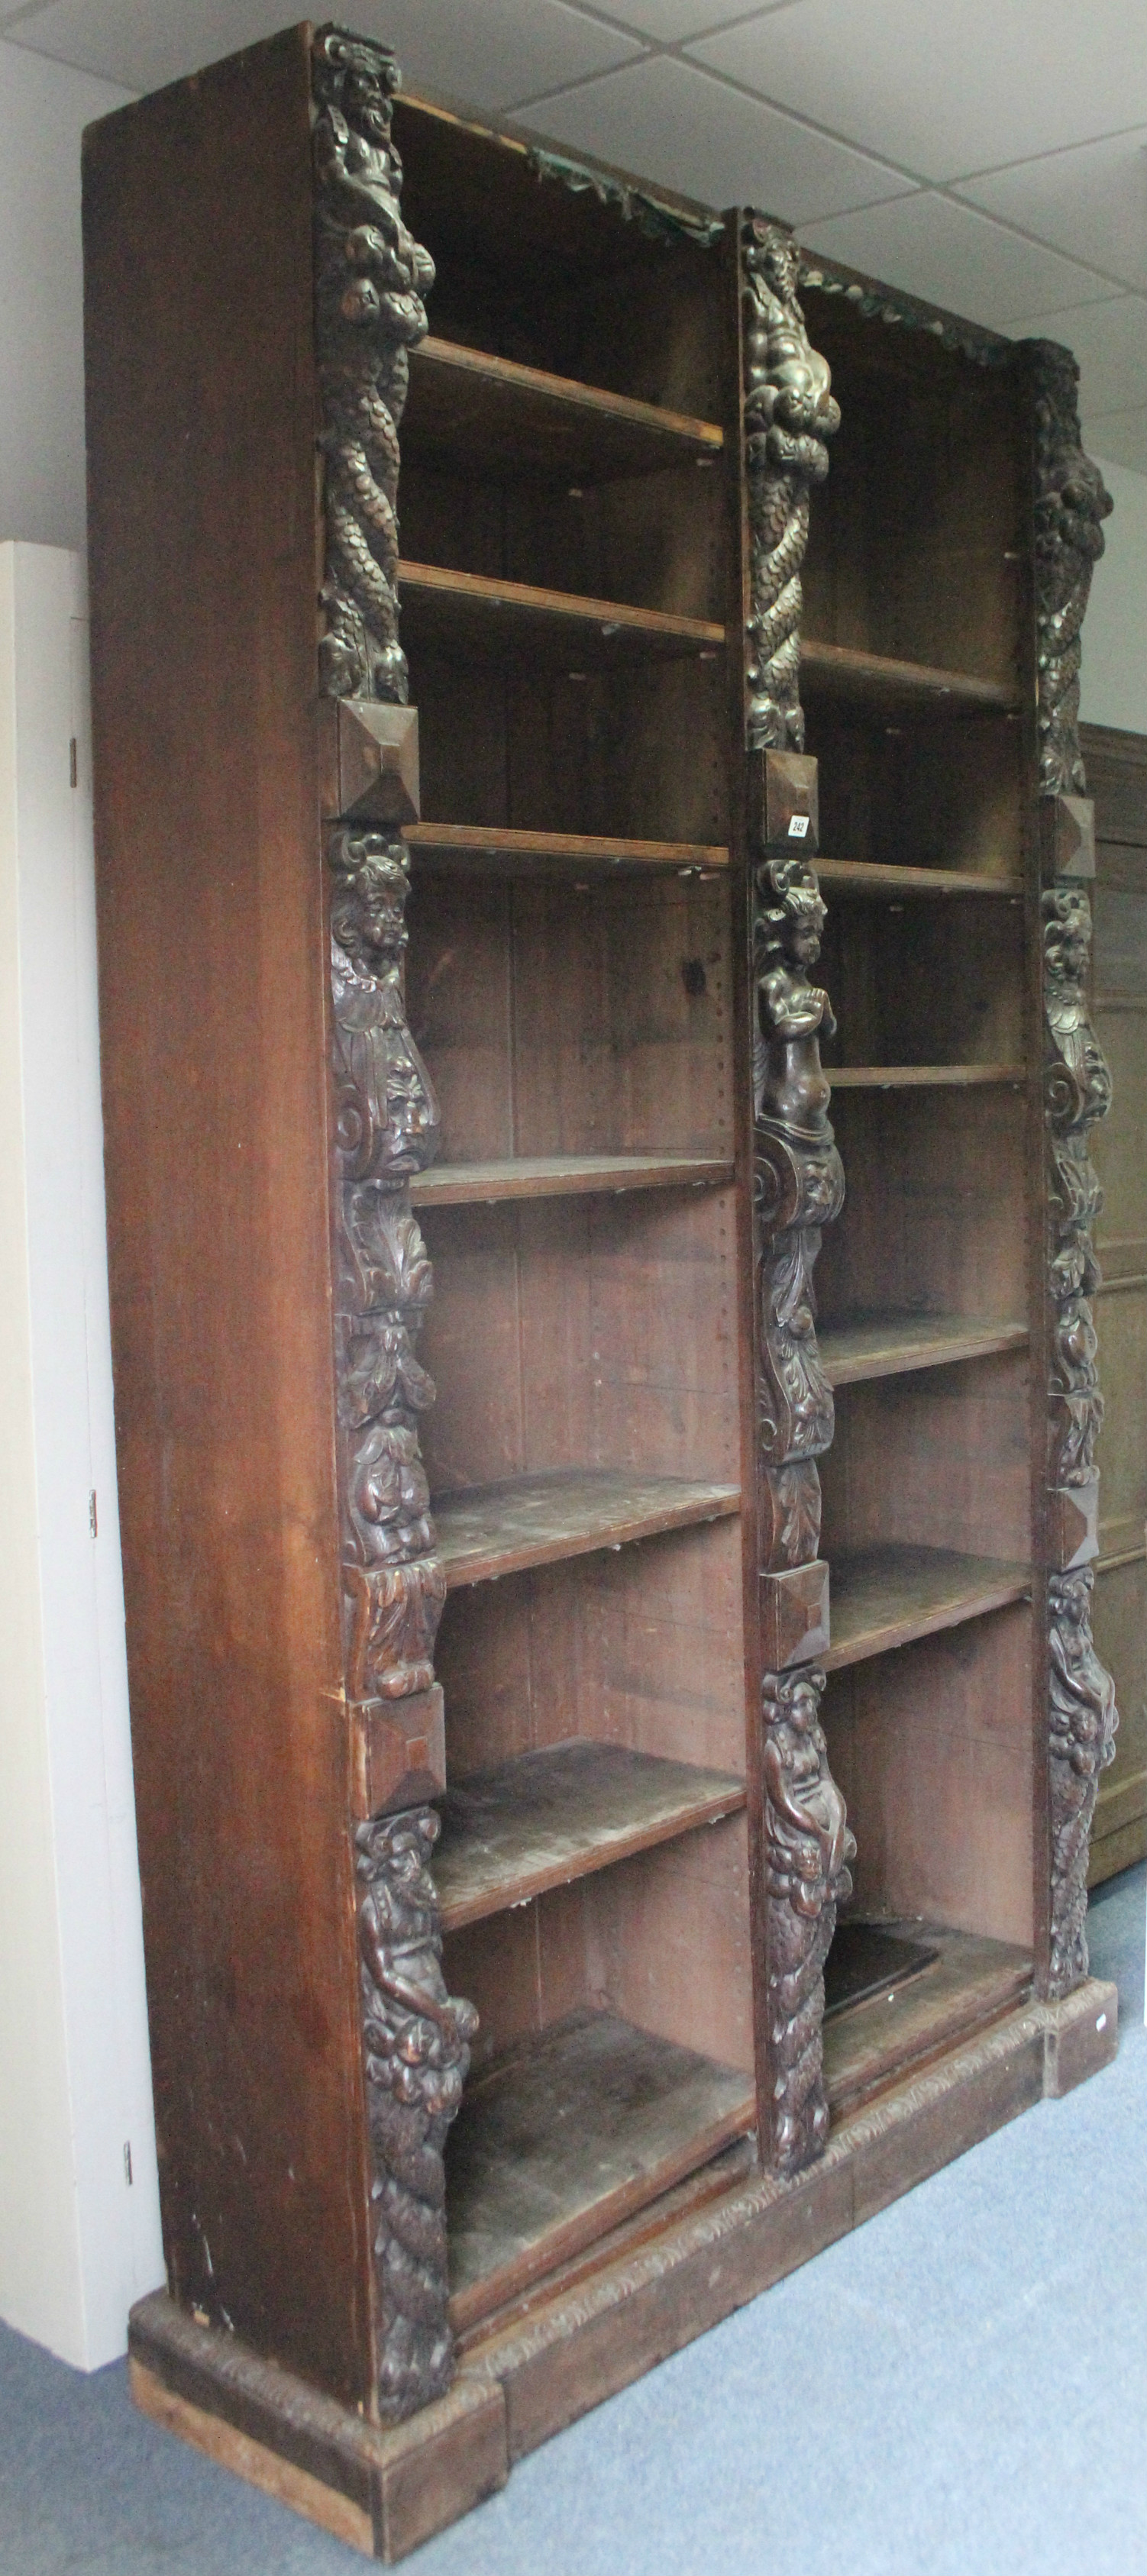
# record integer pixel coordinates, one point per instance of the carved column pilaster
(789, 412)
(1070, 504)
(1081, 1698)
(370, 276)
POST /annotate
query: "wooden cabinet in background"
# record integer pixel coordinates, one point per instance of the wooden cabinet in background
(602, 1834)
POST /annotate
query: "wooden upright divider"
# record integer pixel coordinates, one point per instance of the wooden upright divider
(614, 1775)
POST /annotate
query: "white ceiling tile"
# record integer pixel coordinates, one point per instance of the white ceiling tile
(952, 256)
(671, 22)
(946, 89)
(1110, 342)
(1091, 201)
(669, 122)
(484, 55)
(1118, 438)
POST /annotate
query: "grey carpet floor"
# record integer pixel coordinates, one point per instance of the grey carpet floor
(959, 2389)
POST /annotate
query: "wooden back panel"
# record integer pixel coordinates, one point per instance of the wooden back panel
(214, 999)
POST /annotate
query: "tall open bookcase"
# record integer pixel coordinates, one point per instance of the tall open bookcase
(614, 1769)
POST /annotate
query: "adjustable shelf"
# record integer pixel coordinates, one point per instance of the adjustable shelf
(495, 849)
(537, 1520)
(555, 1176)
(522, 424)
(886, 1596)
(970, 1982)
(868, 877)
(879, 682)
(892, 1345)
(557, 1814)
(565, 2137)
(497, 621)
(922, 1077)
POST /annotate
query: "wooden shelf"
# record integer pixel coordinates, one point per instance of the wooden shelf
(478, 846)
(500, 621)
(559, 1813)
(921, 1077)
(971, 1982)
(868, 877)
(536, 1520)
(495, 418)
(883, 1597)
(567, 2136)
(891, 1345)
(879, 682)
(556, 1176)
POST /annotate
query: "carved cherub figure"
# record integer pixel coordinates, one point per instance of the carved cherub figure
(416, 2034)
(809, 1841)
(790, 1088)
(388, 1116)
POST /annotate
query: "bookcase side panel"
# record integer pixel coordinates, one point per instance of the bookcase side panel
(214, 987)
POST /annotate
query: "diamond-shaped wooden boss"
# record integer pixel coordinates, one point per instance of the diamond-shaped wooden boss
(373, 753)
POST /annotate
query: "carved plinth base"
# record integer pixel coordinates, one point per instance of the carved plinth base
(386, 2492)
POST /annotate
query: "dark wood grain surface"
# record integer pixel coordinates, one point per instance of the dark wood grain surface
(884, 1596)
(556, 1814)
(566, 2137)
(534, 1520)
(213, 993)
(515, 423)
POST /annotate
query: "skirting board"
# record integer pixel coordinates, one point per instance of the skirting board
(385, 2492)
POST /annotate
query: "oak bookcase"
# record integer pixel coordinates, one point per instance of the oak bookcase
(602, 1834)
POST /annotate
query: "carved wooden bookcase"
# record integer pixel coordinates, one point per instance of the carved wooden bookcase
(606, 1823)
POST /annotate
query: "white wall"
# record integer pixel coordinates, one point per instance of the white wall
(1114, 688)
(79, 2234)
(43, 111)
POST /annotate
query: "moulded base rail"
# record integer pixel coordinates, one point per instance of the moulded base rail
(676, 2274)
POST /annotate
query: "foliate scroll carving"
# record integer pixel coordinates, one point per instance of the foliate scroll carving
(799, 1187)
(1081, 1697)
(789, 413)
(386, 1129)
(799, 1181)
(807, 1850)
(1077, 1092)
(1082, 1723)
(370, 280)
(1071, 501)
(414, 2037)
(416, 2044)
(370, 277)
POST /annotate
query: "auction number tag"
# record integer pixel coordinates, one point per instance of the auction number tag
(798, 827)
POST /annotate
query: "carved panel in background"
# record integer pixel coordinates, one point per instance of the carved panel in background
(416, 2053)
(789, 413)
(807, 1850)
(370, 279)
(1071, 501)
(1082, 1722)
